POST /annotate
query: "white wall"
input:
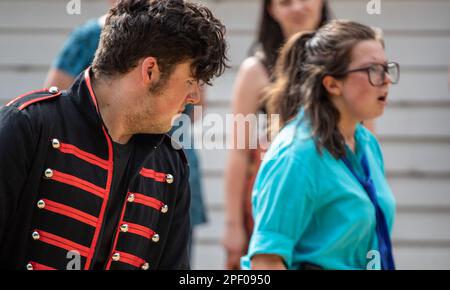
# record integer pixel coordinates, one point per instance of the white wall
(414, 132)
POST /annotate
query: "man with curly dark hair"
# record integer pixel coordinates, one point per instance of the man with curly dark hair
(89, 179)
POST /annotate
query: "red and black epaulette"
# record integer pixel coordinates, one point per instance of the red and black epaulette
(25, 100)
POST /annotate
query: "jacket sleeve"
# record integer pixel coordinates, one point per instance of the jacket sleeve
(16, 153)
(176, 251)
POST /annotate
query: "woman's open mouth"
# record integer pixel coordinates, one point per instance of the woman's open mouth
(382, 98)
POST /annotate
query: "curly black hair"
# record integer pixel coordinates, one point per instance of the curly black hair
(172, 31)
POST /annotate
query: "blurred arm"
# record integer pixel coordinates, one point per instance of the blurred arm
(58, 78)
(267, 262)
(250, 81)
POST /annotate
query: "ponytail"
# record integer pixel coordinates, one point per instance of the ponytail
(284, 97)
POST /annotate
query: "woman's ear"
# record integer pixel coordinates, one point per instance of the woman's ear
(332, 85)
(150, 71)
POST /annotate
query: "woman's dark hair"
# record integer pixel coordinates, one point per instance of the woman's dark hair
(303, 63)
(270, 36)
(172, 31)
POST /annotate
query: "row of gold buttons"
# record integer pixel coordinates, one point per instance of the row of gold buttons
(47, 174)
(124, 228)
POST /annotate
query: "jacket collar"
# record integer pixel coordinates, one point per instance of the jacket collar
(82, 94)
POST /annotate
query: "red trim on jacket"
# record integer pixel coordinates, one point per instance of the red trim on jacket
(24, 95)
(24, 105)
(78, 182)
(150, 173)
(63, 243)
(70, 212)
(109, 179)
(86, 156)
(130, 259)
(140, 230)
(134, 228)
(116, 235)
(40, 267)
(147, 201)
(87, 77)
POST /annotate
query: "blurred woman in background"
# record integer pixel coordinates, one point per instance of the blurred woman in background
(321, 199)
(280, 20)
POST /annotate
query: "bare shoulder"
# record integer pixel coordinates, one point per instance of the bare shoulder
(253, 67)
(250, 82)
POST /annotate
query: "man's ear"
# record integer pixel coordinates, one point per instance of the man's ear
(150, 71)
(332, 85)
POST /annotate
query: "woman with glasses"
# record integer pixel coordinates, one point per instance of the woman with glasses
(280, 19)
(321, 199)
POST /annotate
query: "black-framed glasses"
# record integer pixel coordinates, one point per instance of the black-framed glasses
(377, 73)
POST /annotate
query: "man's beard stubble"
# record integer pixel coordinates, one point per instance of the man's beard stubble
(144, 121)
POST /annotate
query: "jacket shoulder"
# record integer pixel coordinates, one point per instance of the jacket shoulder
(27, 99)
(177, 147)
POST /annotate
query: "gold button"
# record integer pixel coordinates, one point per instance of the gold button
(53, 90)
(155, 238)
(35, 235)
(131, 198)
(30, 267)
(169, 178)
(116, 257)
(48, 173)
(124, 228)
(41, 204)
(164, 208)
(56, 144)
(145, 266)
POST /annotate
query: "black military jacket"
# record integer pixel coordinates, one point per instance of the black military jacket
(56, 167)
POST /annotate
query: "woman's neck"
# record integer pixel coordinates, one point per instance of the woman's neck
(347, 127)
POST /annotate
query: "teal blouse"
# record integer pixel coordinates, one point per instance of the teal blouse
(308, 207)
